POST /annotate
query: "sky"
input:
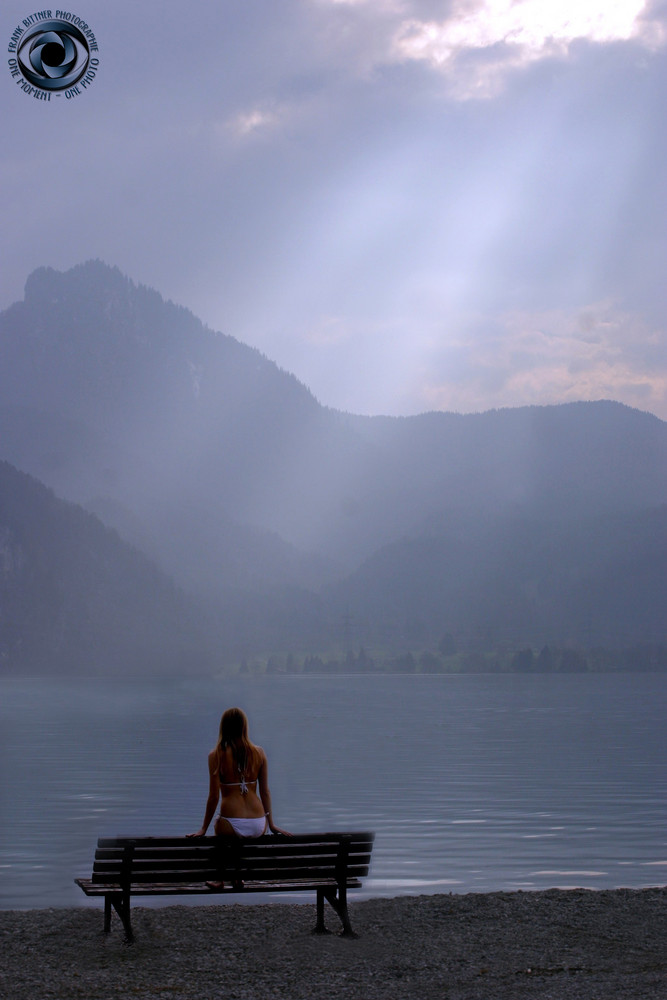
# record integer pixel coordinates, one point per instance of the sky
(411, 205)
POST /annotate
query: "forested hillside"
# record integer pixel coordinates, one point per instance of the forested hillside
(74, 597)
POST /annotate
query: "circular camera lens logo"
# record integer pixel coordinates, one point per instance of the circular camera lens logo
(53, 55)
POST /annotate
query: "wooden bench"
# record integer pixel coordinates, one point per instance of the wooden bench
(327, 863)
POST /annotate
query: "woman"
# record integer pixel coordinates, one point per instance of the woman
(237, 772)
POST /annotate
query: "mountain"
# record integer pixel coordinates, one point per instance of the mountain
(75, 598)
(595, 581)
(126, 403)
(289, 518)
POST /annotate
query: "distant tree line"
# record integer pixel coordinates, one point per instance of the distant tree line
(446, 659)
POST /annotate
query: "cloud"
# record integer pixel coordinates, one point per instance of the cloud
(256, 119)
(480, 42)
(534, 27)
(599, 352)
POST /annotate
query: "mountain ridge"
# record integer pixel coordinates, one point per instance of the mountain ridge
(249, 493)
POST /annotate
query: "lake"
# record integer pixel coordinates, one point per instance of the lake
(471, 782)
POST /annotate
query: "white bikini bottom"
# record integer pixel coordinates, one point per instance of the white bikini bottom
(247, 826)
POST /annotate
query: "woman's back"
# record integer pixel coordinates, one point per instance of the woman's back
(239, 770)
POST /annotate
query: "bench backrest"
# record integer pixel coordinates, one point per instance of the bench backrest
(305, 857)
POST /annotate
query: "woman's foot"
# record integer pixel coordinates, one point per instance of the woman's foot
(216, 886)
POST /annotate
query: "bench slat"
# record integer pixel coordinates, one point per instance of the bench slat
(249, 849)
(208, 860)
(273, 839)
(201, 889)
(247, 874)
(250, 855)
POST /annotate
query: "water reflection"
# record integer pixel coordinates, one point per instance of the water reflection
(471, 783)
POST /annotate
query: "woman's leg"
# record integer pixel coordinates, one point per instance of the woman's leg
(222, 828)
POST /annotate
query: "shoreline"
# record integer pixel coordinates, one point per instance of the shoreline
(555, 944)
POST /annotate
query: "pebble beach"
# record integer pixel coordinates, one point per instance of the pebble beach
(557, 944)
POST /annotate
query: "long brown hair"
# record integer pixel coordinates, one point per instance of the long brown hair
(233, 733)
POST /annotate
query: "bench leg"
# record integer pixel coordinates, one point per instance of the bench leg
(107, 914)
(338, 901)
(121, 904)
(320, 926)
(341, 910)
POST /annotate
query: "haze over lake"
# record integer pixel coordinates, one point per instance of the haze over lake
(471, 782)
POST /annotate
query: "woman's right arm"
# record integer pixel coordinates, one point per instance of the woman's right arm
(265, 796)
(213, 794)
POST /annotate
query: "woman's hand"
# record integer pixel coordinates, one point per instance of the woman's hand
(277, 830)
(199, 833)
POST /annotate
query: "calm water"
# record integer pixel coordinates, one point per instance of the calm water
(471, 783)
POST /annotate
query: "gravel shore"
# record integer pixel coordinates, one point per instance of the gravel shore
(559, 944)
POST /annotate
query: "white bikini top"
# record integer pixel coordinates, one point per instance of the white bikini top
(242, 784)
